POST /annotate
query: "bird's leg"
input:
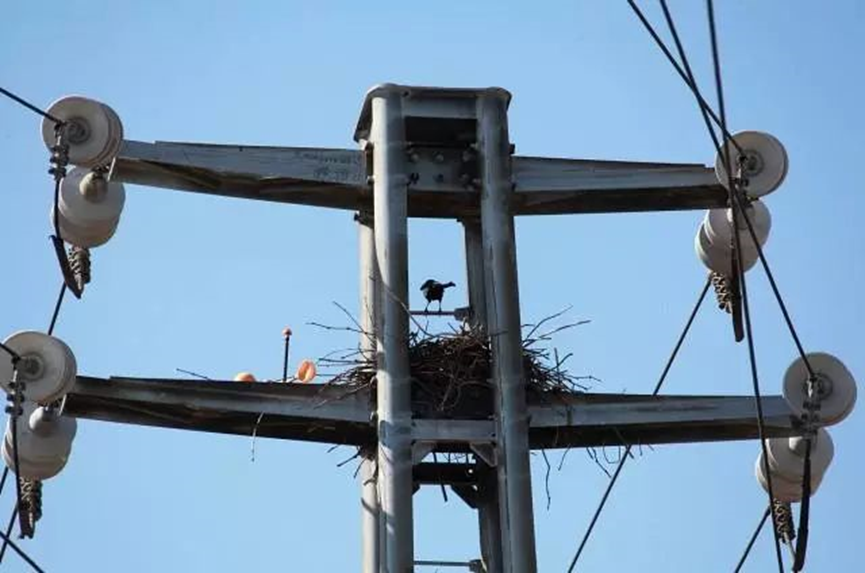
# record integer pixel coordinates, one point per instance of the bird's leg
(440, 306)
(426, 307)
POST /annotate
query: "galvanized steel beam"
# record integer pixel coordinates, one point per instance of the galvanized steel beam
(390, 192)
(331, 414)
(336, 178)
(370, 511)
(487, 498)
(503, 324)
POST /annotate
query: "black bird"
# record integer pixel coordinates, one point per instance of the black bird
(434, 290)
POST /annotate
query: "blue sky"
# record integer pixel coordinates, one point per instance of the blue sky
(207, 284)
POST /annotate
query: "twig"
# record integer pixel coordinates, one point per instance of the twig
(338, 328)
(593, 455)
(254, 434)
(562, 459)
(196, 374)
(547, 479)
(342, 463)
(545, 320)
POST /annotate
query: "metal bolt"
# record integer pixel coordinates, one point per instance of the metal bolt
(439, 158)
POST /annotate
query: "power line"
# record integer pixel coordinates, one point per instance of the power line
(735, 294)
(688, 82)
(775, 290)
(30, 106)
(14, 411)
(801, 546)
(56, 312)
(753, 539)
(9, 530)
(625, 456)
(733, 190)
(14, 355)
(58, 170)
(691, 80)
(18, 550)
(804, 512)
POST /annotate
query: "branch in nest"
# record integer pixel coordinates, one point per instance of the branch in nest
(545, 320)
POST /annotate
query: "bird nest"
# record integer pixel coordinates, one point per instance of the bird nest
(451, 373)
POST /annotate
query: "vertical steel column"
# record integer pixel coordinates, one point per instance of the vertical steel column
(489, 520)
(489, 523)
(390, 195)
(369, 515)
(503, 322)
(368, 485)
(475, 273)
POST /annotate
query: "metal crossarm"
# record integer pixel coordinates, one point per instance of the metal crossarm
(336, 415)
(338, 178)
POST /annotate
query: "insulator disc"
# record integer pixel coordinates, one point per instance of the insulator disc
(787, 455)
(784, 490)
(117, 135)
(44, 454)
(836, 387)
(86, 238)
(718, 257)
(765, 162)
(53, 366)
(719, 224)
(84, 212)
(95, 133)
(30, 469)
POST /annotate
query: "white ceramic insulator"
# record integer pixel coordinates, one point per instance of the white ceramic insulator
(836, 387)
(48, 368)
(787, 455)
(719, 257)
(784, 490)
(88, 211)
(88, 219)
(84, 237)
(95, 133)
(719, 225)
(765, 165)
(42, 454)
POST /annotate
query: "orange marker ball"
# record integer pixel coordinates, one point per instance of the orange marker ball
(244, 377)
(306, 371)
